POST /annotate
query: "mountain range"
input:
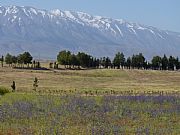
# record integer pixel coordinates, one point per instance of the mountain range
(44, 33)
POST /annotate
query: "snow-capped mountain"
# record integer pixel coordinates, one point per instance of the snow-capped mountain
(44, 33)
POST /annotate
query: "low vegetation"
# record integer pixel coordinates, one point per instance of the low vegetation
(4, 90)
(76, 114)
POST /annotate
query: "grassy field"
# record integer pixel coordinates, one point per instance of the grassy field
(32, 114)
(99, 79)
(61, 107)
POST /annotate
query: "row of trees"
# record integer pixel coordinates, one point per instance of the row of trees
(138, 61)
(81, 59)
(20, 60)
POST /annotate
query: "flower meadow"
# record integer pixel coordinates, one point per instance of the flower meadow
(31, 114)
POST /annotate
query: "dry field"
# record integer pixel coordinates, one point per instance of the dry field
(53, 110)
(99, 79)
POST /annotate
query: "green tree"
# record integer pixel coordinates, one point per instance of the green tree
(164, 62)
(64, 58)
(20, 59)
(128, 63)
(119, 60)
(156, 62)
(141, 60)
(74, 60)
(24, 58)
(134, 61)
(122, 60)
(107, 62)
(138, 61)
(172, 63)
(14, 60)
(8, 59)
(27, 58)
(84, 59)
(146, 65)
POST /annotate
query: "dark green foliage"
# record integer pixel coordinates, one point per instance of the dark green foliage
(171, 64)
(156, 62)
(8, 59)
(3, 90)
(138, 61)
(107, 62)
(82, 59)
(64, 57)
(21, 59)
(128, 62)
(14, 60)
(164, 63)
(141, 60)
(27, 58)
(24, 58)
(74, 60)
(119, 60)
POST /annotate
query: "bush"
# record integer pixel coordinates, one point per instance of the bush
(3, 90)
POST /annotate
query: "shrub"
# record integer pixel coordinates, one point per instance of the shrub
(3, 90)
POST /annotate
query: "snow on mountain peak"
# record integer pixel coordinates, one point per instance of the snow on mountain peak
(33, 10)
(70, 15)
(99, 22)
(28, 26)
(56, 12)
(98, 17)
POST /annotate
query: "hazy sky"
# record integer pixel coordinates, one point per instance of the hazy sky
(164, 14)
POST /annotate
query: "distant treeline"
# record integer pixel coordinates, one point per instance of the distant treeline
(138, 61)
(83, 60)
(20, 60)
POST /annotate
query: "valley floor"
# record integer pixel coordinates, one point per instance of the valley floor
(92, 80)
(90, 102)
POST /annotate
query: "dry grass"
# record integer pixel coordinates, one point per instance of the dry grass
(100, 79)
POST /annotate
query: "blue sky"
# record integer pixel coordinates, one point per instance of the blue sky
(164, 14)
